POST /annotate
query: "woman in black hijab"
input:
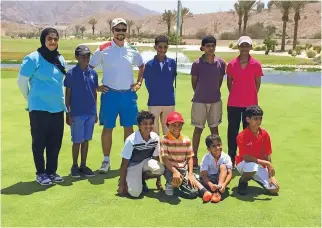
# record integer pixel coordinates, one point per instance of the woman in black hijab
(41, 83)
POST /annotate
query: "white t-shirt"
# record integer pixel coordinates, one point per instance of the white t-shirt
(210, 165)
(117, 64)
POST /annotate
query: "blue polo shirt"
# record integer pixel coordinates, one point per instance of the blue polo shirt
(46, 83)
(159, 81)
(83, 86)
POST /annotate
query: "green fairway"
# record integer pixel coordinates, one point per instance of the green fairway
(291, 116)
(16, 49)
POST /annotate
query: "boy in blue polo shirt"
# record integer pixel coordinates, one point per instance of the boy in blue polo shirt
(159, 75)
(81, 83)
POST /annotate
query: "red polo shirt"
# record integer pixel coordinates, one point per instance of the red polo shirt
(258, 147)
(243, 92)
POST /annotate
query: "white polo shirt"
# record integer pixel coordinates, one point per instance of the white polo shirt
(210, 165)
(117, 64)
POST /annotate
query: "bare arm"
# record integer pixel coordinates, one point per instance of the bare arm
(194, 82)
(229, 83)
(258, 83)
(229, 176)
(140, 74)
(169, 165)
(204, 176)
(68, 92)
(220, 80)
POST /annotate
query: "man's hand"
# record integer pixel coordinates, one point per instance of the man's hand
(102, 89)
(192, 180)
(122, 190)
(273, 181)
(136, 86)
(69, 120)
(159, 185)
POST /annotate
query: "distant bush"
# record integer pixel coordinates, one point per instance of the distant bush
(257, 48)
(317, 48)
(263, 48)
(173, 39)
(298, 49)
(317, 35)
(235, 46)
(231, 44)
(290, 51)
(229, 36)
(307, 46)
(317, 60)
(311, 53)
(289, 41)
(270, 44)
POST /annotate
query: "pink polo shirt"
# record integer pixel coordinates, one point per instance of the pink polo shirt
(243, 92)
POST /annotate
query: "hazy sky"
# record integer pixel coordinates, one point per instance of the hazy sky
(195, 7)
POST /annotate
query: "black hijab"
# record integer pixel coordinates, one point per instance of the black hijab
(50, 56)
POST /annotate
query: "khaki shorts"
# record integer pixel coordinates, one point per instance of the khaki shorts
(212, 113)
(161, 113)
(134, 174)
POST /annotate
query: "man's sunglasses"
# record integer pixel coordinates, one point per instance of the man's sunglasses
(120, 30)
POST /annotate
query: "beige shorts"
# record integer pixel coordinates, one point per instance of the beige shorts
(134, 175)
(161, 113)
(212, 113)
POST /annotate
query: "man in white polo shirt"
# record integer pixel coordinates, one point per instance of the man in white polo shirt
(119, 90)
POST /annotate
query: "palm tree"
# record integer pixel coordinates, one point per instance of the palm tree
(240, 12)
(82, 29)
(138, 27)
(185, 13)
(76, 29)
(129, 23)
(285, 7)
(168, 17)
(92, 22)
(109, 22)
(297, 7)
(247, 7)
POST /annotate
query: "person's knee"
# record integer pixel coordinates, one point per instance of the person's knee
(198, 130)
(249, 175)
(159, 170)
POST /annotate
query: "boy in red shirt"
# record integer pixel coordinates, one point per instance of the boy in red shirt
(243, 82)
(254, 159)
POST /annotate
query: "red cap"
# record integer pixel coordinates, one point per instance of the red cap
(174, 117)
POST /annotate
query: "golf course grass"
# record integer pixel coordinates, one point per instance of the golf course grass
(291, 116)
(16, 49)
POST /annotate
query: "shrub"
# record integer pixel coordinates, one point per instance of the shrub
(269, 44)
(317, 60)
(290, 51)
(263, 47)
(317, 48)
(311, 53)
(298, 49)
(231, 44)
(294, 53)
(235, 46)
(307, 46)
(258, 48)
(201, 33)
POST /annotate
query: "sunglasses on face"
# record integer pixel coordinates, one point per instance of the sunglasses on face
(52, 38)
(120, 30)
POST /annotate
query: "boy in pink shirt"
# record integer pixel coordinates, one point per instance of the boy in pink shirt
(243, 82)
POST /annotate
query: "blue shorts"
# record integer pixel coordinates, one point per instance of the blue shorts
(82, 128)
(114, 103)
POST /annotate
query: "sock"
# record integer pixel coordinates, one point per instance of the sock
(106, 158)
(203, 190)
(83, 164)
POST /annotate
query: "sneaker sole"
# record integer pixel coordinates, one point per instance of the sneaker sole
(103, 171)
(93, 175)
(75, 176)
(43, 184)
(61, 181)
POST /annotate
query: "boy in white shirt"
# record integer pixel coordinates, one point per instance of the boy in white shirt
(215, 168)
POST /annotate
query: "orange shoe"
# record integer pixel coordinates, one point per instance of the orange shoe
(206, 196)
(216, 197)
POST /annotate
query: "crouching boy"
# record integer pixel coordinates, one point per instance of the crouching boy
(140, 158)
(215, 169)
(254, 159)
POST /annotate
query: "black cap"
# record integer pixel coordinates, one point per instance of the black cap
(82, 50)
(208, 40)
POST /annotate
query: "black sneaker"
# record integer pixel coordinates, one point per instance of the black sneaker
(74, 172)
(86, 171)
(145, 187)
(242, 187)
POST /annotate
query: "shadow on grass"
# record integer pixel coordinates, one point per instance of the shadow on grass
(235, 173)
(96, 180)
(24, 188)
(162, 197)
(253, 193)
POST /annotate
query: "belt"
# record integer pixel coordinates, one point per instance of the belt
(118, 90)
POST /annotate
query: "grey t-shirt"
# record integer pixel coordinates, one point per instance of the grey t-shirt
(208, 78)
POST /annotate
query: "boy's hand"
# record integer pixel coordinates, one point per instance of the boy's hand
(102, 89)
(192, 180)
(212, 186)
(273, 181)
(69, 120)
(122, 190)
(176, 179)
(159, 185)
(222, 188)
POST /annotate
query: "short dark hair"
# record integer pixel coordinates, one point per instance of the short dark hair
(160, 39)
(210, 138)
(254, 110)
(144, 115)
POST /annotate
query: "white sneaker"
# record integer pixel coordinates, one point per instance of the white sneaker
(105, 167)
(169, 190)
